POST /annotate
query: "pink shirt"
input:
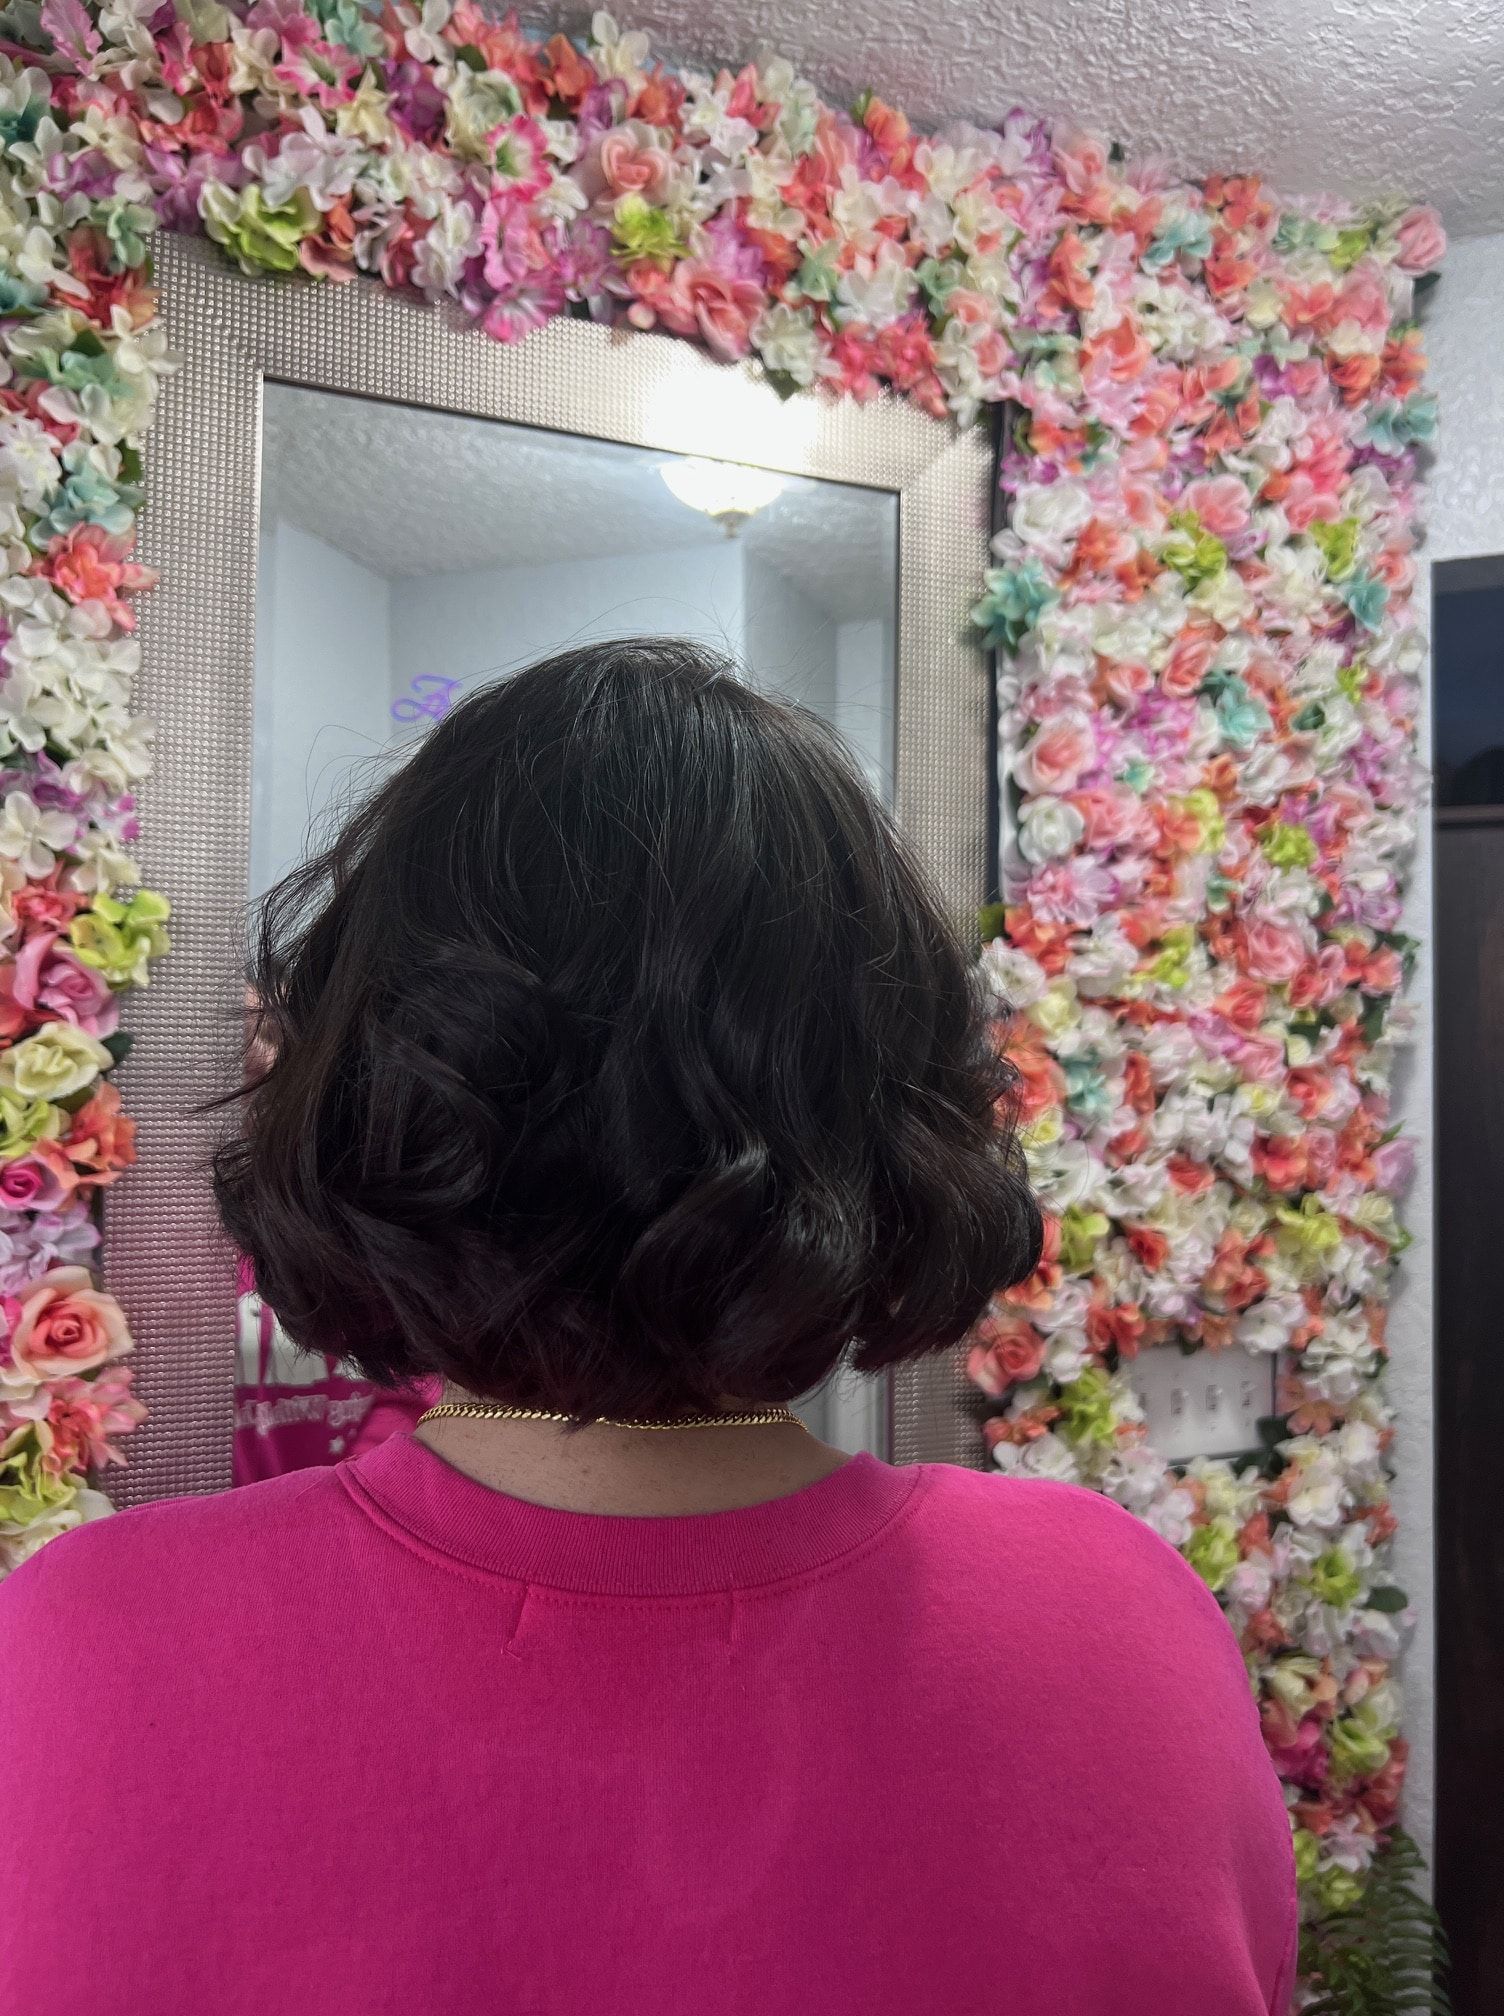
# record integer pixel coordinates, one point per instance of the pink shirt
(377, 1739)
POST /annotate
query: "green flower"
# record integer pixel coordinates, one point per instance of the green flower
(1197, 555)
(1288, 846)
(1015, 600)
(260, 237)
(1308, 1236)
(117, 939)
(1368, 598)
(126, 226)
(1212, 1551)
(1360, 1744)
(56, 1062)
(1205, 809)
(1172, 967)
(1351, 679)
(938, 279)
(640, 230)
(1335, 1890)
(1352, 242)
(1339, 546)
(28, 1492)
(24, 1121)
(1334, 1580)
(1081, 1231)
(1086, 1407)
(1307, 1856)
(817, 276)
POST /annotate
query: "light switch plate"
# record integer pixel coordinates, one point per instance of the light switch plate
(1209, 1404)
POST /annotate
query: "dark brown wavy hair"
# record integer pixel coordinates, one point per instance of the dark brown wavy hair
(625, 1062)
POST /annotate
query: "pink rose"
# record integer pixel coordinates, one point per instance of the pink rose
(33, 1184)
(1394, 1165)
(630, 169)
(65, 1325)
(1421, 240)
(1059, 755)
(56, 986)
(1007, 1351)
(1273, 950)
(1221, 503)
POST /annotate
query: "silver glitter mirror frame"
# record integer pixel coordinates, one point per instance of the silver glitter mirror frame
(163, 1255)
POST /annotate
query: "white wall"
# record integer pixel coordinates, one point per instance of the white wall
(1464, 516)
(323, 688)
(483, 624)
(790, 644)
(864, 698)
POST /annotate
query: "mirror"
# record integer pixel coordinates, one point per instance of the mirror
(408, 555)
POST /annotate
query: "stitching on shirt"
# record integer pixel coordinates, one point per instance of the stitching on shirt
(386, 1520)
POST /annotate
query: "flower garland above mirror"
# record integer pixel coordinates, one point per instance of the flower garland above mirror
(1209, 685)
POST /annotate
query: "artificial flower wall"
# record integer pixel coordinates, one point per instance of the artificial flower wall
(1208, 663)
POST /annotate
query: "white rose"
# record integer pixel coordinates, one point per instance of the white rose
(1047, 517)
(1049, 828)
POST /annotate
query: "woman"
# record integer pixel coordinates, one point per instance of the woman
(293, 1410)
(627, 1075)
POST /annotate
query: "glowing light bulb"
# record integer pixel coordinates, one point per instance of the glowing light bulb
(728, 492)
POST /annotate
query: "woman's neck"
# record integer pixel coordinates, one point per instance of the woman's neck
(639, 1473)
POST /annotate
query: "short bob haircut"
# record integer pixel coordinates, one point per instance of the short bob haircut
(625, 1062)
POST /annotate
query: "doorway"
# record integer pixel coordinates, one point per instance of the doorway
(1468, 657)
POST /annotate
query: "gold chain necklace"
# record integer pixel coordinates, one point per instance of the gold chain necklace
(476, 1410)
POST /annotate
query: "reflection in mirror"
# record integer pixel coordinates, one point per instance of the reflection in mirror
(408, 556)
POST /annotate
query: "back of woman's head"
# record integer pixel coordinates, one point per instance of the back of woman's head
(624, 1061)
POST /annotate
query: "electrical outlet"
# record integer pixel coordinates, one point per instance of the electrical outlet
(1209, 1404)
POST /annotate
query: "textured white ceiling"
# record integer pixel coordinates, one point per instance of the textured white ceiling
(413, 493)
(1360, 97)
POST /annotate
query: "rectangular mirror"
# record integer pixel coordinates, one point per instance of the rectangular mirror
(397, 509)
(407, 556)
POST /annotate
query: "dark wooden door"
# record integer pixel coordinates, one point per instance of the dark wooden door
(1470, 1404)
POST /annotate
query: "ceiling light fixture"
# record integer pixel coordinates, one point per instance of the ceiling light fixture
(728, 492)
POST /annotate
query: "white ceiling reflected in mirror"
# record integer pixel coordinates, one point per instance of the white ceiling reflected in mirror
(409, 555)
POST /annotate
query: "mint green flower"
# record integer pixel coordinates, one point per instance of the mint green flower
(818, 274)
(1392, 427)
(939, 279)
(1188, 236)
(126, 227)
(20, 297)
(1242, 718)
(1368, 598)
(87, 498)
(1087, 1094)
(1015, 600)
(351, 23)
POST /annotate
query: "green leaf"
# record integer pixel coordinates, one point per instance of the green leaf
(119, 1045)
(990, 919)
(1389, 1599)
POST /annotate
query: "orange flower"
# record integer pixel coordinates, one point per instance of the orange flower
(101, 1140)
